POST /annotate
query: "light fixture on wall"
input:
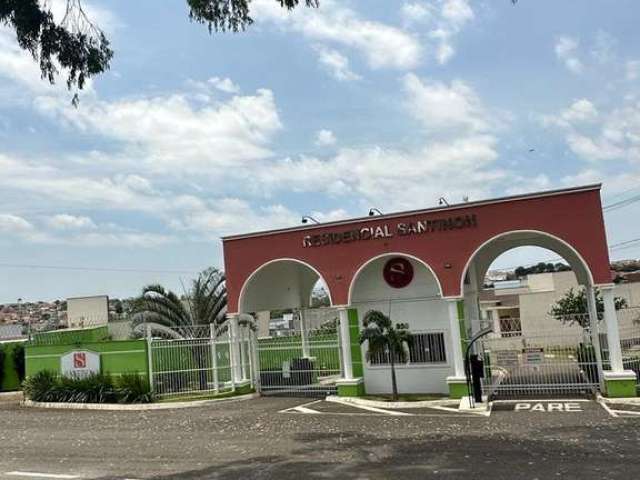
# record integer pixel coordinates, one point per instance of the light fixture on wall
(307, 219)
(443, 201)
(373, 211)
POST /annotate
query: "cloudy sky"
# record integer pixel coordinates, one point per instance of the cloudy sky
(328, 112)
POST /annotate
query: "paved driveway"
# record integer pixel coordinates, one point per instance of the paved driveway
(257, 440)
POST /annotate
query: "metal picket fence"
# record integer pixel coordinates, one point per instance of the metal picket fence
(629, 324)
(560, 362)
(202, 363)
(305, 364)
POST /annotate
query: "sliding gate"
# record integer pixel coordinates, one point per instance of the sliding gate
(303, 364)
(561, 362)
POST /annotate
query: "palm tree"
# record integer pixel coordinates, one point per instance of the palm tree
(169, 315)
(385, 340)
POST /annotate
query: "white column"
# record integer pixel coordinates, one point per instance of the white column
(595, 331)
(456, 341)
(613, 335)
(214, 356)
(234, 350)
(304, 337)
(472, 308)
(345, 343)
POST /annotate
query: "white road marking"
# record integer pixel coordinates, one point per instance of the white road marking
(625, 412)
(380, 410)
(606, 408)
(41, 475)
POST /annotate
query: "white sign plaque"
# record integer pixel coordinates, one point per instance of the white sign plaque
(80, 363)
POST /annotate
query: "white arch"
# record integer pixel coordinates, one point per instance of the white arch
(537, 232)
(283, 259)
(390, 254)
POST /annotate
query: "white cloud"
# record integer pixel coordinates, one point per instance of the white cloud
(459, 136)
(604, 48)
(336, 63)
(441, 107)
(632, 68)
(601, 136)
(14, 224)
(566, 49)
(64, 221)
(224, 85)
(163, 133)
(325, 138)
(580, 111)
(417, 12)
(382, 45)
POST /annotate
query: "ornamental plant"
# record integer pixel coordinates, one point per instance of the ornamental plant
(385, 339)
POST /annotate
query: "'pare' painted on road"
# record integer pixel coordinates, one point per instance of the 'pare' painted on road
(548, 407)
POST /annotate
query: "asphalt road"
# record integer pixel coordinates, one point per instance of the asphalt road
(256, 440)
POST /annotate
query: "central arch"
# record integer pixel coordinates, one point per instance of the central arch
(417, 303)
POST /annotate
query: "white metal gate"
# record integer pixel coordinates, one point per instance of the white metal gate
(202, 363)
(520, 364)
(300, 364)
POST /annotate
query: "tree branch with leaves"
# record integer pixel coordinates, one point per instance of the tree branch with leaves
(78, 46)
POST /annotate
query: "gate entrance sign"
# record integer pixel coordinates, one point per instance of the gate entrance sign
(80, 364)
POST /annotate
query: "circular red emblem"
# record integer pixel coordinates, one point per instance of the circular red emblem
(398, 272)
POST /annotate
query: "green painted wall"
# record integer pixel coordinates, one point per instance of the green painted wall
(73, 336)
(351, 390)
(10, 381)
(619, 388)
(458, 390)
(116, 357)
(354, 341)
(463, 327)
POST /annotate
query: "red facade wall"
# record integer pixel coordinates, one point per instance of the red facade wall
(574, 216)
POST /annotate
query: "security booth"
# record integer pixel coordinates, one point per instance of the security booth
(426, 268)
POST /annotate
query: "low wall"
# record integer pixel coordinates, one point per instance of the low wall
(9, 381)
(116, 357)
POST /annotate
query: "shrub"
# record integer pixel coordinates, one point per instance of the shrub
(19, 361)
(97, 388)
(40, 386)
(134, 388)
(47, 386)
(1, 367)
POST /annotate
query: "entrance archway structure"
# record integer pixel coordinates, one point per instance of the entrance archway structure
(452, 240)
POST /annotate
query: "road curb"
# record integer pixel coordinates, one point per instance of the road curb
(135, 407)
(6, 397)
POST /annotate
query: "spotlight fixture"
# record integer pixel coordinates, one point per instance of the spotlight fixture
(307, 219)
(443, 201)
(373, 211)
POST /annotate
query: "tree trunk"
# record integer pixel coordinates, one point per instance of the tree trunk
(394, 383)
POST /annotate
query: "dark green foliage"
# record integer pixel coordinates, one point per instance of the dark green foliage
(586, 356)
(82, 49)
(19, 361)
(383, 337)
(231, 15)
(39, 386)
(47, 386)
(204, 304)
(134, 388)
(541, 267)
(572, 308)
(74, 44)
(2, 355)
